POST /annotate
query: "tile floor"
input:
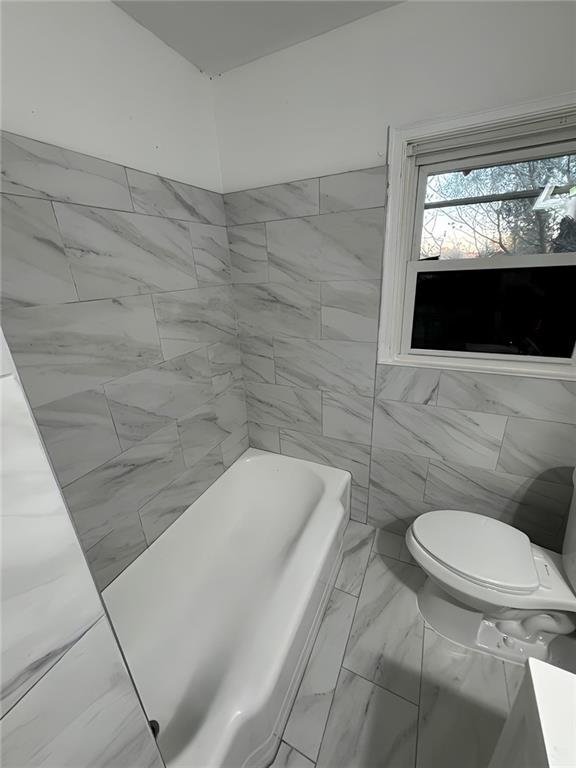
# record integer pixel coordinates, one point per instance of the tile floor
(383, 690)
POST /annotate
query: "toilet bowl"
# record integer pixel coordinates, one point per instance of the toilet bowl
(489, 587)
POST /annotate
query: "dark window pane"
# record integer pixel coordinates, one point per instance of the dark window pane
(521, 311)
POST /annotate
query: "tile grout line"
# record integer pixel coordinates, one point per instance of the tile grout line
(129, 188)
(417, 740)
(66, 256)
(381, 687)
(357, 599)
(61, 201)
(71, 646)
(379, 207)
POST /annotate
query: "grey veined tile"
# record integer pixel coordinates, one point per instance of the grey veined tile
(401, 474)
(85, 711)
(67, 348)
(312, 704)
(35, 169)
(144, 401)
(368, 727)
(48, 597)
(542, 449)
(463, 705)
(248, 253)
(357, 546)
(279, 201)
(350, 457)
(353, 190)
(114, 553)
(209, 425)
(514, 674)
(277, 309)
(397, 483)
(496, 493)
(173, 199)
(385, 644)
(509, 395)
(105, 498)
(211, 254)
(347, 417)
(439, 433)
(288, 757)
(338, 366)
(392, 512)
(118, 254)
(78, 432)
(258, 359)
(188, 319)
(336, 246)
(34, 265)
(358, 503)
(234, 445)
(166, 507)
(280, 406)
(406, 384)
(350, 310)
(225, 365)
(264, 437)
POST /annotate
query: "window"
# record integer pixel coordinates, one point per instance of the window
(506, 209)
(480, 258)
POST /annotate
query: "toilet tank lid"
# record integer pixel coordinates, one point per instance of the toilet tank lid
(479, 548)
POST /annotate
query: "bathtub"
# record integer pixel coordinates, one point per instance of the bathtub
(217, 618)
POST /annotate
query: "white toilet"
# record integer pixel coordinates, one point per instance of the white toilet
(489, 587)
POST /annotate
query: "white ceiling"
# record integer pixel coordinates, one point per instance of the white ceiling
(218, 35)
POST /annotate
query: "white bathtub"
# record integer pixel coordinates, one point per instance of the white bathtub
(218, 616)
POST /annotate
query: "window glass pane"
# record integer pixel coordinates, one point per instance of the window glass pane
(521, 311)
(482, 230)
(498, 179)
(480, 227)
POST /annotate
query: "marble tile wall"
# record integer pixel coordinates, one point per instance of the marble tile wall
(66, 697)
(118, 310)
(306, 259)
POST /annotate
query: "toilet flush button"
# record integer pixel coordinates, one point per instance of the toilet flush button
(509, 641)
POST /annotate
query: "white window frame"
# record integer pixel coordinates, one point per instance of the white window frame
(405, 207)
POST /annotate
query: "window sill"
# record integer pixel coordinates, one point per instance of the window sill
(558, 371)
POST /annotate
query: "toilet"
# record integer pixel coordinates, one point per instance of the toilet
(491, 589)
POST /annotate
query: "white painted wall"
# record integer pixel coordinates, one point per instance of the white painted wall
(85, 76)
(323, 106)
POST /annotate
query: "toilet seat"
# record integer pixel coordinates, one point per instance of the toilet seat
(479, 549)
(552, 593)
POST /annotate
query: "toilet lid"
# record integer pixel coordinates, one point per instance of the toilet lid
(479, 548)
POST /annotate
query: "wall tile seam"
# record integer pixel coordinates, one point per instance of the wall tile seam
(313, 435)
(308, 178)
(558, 518)
(4, 132)
(129, 188)
(304, 281)
(62, 201)
(101, 616)
(119, 297)
(173, 422)
(66, 256)
(115, 530)
(103, 384)
(494, 471)
(506, 416)
(265, 222)
(136, 511)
